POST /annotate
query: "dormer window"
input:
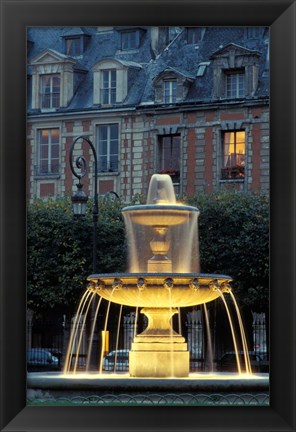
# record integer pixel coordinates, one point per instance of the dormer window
(170, 91)
(73, 46)
(50, 91)
(235, 83)
(171, 86)
(130, 39)
(111, 80)
(53, 80)
(235, 72)
(194, 34)
(75, 41)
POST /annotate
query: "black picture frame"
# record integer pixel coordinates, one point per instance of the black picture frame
(16, 16)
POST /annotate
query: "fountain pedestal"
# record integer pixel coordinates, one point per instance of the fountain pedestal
(159, 351)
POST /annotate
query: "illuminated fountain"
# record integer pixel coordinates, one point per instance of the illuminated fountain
(164, 276)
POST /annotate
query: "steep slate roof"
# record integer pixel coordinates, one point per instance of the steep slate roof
(178, 56)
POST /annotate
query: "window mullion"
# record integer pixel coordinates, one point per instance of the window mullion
(108, 147)
(49, 152)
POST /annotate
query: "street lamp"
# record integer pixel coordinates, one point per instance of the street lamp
(79, 202)
(79, 199)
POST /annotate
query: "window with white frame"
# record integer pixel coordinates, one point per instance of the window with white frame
(48, 151)
(50, 88)
(233, 155)
(170, 91)
(107, 147)
(235, 84)
(108, 87)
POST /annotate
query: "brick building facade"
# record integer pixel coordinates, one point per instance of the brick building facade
(192, 102)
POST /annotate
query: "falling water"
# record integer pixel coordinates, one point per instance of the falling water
(232, 331)
(75, 328)
(117, 336)
(92, 335)
(179, 320)
(136, 321)
(243, 336)
(171, 332)
(209, 339)
(104, 331)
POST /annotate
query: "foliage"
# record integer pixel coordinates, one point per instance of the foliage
(234, 240)
(233, 236)
(59, 251)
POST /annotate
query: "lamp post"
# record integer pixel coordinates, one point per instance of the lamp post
(79, 199)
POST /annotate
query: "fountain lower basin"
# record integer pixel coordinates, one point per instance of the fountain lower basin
(53, 385)
(159, 290)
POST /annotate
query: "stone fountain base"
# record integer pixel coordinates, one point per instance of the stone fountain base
(159, 351)
(159, 364)
(56, 386)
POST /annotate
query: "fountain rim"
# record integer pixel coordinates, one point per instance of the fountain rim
(160, 207)
(212, 276)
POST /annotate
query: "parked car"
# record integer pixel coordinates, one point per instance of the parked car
(41, 359)
(228, 363)
(118, 356)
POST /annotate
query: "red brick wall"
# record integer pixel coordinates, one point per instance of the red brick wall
(106, 186)
(47, 189)
(68, 173)
(232, 116)
(191, 162)
(170, 120)
(209, 159)
(256, 135)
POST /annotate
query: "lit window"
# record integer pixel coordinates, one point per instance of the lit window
(108, 86)
(48, 151)
(107, 145)
(73, 46)
(50, 91)
(233, 163)
(235, 84)
(130, 40)
(169, 155)
(170, 91)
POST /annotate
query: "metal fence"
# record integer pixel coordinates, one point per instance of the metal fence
(54, 335)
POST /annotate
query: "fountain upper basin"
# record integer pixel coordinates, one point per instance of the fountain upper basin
(159, 290)
(159, 214)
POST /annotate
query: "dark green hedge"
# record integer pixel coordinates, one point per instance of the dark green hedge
(233, 233)
(234, 240)
(59, 251)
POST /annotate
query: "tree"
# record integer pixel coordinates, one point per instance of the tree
(234, 240)
(59, 252)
